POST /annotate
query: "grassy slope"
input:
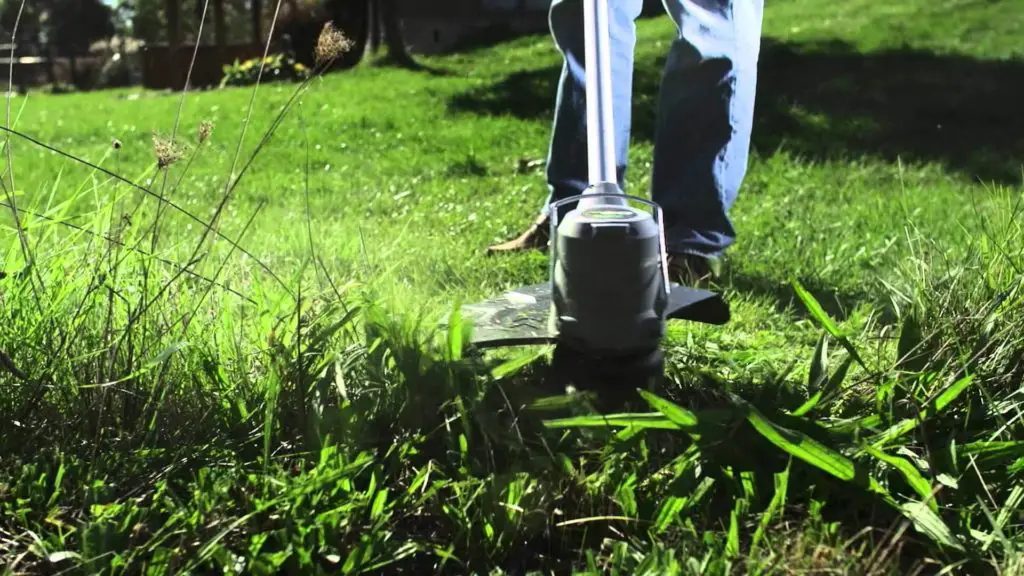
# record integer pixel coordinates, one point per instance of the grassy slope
(409, 177)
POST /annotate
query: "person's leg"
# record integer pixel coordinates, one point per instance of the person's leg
(704, 121)
(567, 153)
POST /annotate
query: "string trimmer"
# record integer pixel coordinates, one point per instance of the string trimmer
(608, 296)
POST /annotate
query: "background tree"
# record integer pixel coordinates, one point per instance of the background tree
(25, 32)
(73, 25)
(393, 35)
(148, 21)
(58, 28)
(29, 28)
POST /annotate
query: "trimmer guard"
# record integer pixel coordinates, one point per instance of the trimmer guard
(520, 317)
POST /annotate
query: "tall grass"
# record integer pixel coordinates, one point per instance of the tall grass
(321, 431)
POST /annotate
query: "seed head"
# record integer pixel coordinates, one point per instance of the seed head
(205, 129)
(166, 151)
(331, 44)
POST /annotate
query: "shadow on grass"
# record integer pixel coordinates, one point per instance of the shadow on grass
(838, 303)
(826, 101)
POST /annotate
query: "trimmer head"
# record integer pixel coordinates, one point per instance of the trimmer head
(522, 317)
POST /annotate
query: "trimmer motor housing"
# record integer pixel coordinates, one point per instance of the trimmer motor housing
(609, 288)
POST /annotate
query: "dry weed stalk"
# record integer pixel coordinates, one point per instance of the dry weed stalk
(331, 44)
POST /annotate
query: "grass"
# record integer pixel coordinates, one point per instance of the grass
(283, 404)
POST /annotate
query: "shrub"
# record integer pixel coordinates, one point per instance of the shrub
(275, 67)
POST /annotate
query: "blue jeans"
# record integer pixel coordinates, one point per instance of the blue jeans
(704, 116)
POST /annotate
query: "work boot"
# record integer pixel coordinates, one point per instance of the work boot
(536, 237)
(692, 270)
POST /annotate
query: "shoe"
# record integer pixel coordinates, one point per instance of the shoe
(536, 237)
(692, 270)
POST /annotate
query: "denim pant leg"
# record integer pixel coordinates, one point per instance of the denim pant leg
(705, 113)
(567, 156)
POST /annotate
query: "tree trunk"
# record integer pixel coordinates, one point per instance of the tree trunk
(354, 19)
(220, 27)
(394, 38)
(374, 28)
(200, 8)
(73, 62)
(173, 15)
(51, 68)
(257, 21)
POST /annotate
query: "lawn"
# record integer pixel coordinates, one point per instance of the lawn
(271, 394)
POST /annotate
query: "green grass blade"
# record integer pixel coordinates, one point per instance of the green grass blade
(456, 331)
(801, 446)
(831, 386)
(404, 551)
(1009, 510)
(159, 359)
(994, 450)
(324, 335)
(677, 414)
(669, 510)
(379, 502)
(732, 543)
(819, 364)
(930, 524)
(653, 420)
(910, 474)
(851, 425)
(908, 355)
(809, 404)
(513, 366)
(559, 402)
(823, 319)
(816, 311)
(940, 403)
(947, 397)
(777, 502)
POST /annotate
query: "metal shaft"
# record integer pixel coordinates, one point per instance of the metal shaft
(600, 130)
